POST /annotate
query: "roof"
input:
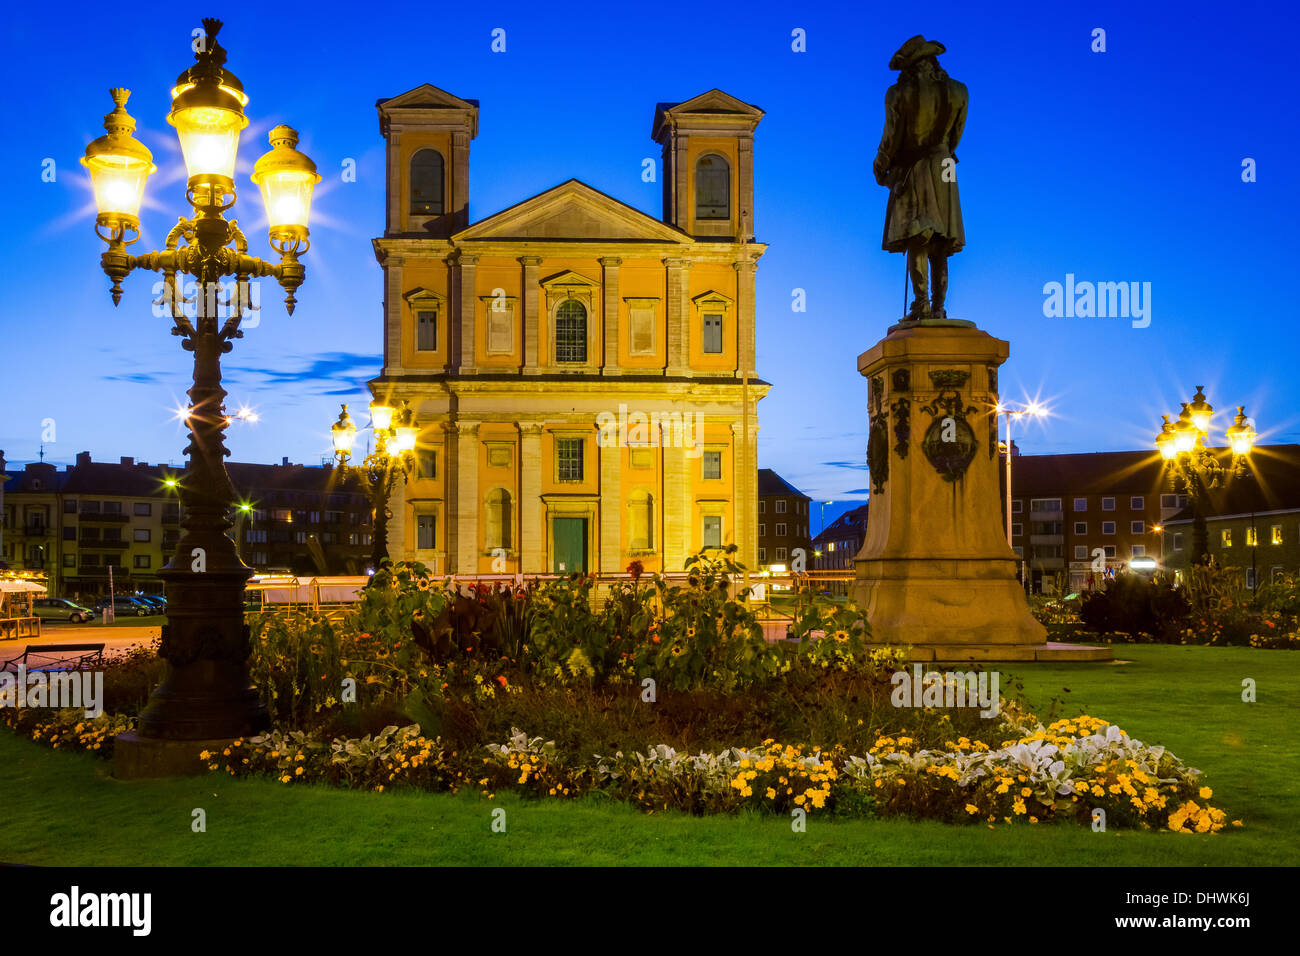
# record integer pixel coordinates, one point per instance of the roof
(1104, 472)
(851, 521)
(770, 483)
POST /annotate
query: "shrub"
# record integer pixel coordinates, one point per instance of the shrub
(1134, 605)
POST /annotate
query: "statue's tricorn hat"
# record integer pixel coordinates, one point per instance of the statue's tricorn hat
(914, 49)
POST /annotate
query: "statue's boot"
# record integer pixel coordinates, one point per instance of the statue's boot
(916, 268)
(938, 286)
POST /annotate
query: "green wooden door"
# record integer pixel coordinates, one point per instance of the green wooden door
(570, 551)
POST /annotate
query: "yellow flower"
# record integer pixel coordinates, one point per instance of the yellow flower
(1205, 793)
(298, 772)
(972, 809)
(771, 795)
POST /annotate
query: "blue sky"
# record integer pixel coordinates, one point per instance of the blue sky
(1115, 166)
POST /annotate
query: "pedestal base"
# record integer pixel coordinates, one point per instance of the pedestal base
(136, 757)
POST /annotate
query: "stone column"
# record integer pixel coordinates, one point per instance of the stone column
(684, 215)
(742, 464)
(395, 191)
(466, 505)
(611, 509)
(532, 533)
(678, 309)
(460, 180)
(609, 285)
(530, 299)
(745, 317)
(393, 314)
(678, 507)
(396, 543)
(745, 189)
(466, 287)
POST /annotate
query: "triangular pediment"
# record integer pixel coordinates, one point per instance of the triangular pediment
(716, 106)
(572, 212)
(568, 277)
(427, 96)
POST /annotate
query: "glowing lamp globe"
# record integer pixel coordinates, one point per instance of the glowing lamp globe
(1241, 434)
(208, 113)
(1201, 410)
(118, 164)
(344, 433)
(381, 416)
(286, 178)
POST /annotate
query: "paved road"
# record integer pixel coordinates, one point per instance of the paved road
(116, 640)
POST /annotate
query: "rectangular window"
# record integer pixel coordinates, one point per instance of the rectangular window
(762, 531)
(428, 463)
(762, 555)
(1136, 503)
(1016, 506)
(1225, 537)
(141, 534)
(299, 537)
(762, 506)
(780, 554)
(1139, 550)
(141, 560)
(1080, 504)
(426, 532)
(1019, 551)
(69, 560)
(568, 459)
(1169, 501)
(1044, 504)
(713, 531)
(1108, 527)
(69, 506)
(1250, 578)
(1080, 552)
(112, 507)
(713, 466)
(500, 329)
(1137, 527)
(780, 506)
(1252, 538)
(426, 331)
(641, 331)
(1017, 530)
(713, 335)
(91, 507)
(143, 509)
(780, 530)
(1178, 541)
(1081, 527)
(1275, 534)
(1107, 504)
(1109, 551)
(69, 533)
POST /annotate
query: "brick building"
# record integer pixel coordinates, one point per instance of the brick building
(782, 521)
(839, 542)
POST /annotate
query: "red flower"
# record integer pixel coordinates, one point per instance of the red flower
(636, 569)
(655, 638)
(501, 679)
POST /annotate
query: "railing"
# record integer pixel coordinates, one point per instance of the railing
(115, 517)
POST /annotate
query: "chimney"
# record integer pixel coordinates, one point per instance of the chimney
(128, 460)
(285, 461)
(83, 458)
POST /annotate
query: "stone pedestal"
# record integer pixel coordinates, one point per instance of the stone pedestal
(135, 757)
(936, 571)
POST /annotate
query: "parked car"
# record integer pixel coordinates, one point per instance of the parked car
(155, 601)
(125, 605)
(61, 609)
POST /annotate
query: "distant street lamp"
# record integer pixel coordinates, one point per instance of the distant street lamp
(1034, 410)
(1192, 468)
(394, 453)
(205, 693)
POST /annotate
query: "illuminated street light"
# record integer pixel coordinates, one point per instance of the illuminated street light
(396, 435)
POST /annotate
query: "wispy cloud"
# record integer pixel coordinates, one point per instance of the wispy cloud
(854, 465)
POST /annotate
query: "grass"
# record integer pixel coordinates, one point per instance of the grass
(64, 809)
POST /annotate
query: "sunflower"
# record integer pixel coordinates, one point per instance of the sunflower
(841, 636)
(677, 650)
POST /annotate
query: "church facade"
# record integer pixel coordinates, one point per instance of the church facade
(582, 373)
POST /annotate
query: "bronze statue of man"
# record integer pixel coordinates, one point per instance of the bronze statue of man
(924, 115)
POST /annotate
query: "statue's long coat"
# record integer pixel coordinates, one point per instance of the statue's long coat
(923, 123)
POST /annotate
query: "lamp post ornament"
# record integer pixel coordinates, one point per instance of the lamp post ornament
(394, 453)
(205, 693)
(1193, 469)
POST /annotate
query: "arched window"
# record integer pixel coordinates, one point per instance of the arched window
(571, 332)
(641, 522)
(712, 188)
(499, 519)
(426, 183)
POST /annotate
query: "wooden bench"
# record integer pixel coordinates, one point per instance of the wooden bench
(88, 655)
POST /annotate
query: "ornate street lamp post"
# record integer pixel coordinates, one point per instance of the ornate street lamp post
(1192, 468)
(394, 453)
(205, 693)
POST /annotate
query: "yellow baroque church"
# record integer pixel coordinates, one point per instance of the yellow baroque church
(582, 374)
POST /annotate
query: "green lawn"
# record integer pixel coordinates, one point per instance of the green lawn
(64, 809)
